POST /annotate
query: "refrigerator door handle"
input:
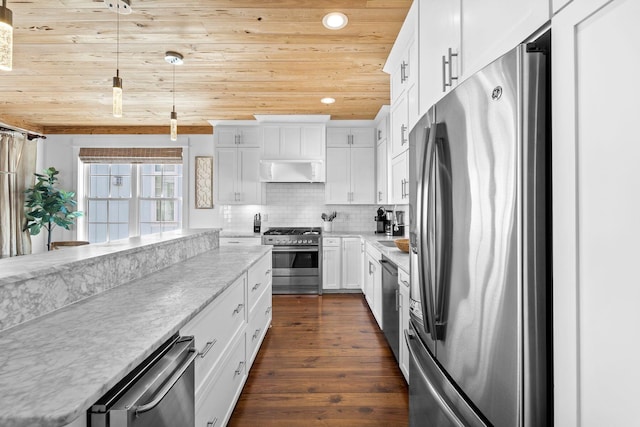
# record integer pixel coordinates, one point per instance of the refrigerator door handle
(426, 233)
(443, 230)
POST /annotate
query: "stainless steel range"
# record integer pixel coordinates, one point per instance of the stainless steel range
(297, 259)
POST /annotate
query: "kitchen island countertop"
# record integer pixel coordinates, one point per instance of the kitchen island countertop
(54, 367)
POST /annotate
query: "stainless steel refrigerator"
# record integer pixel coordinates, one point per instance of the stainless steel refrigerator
(478, 334)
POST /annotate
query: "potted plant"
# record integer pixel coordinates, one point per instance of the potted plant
(48, 206)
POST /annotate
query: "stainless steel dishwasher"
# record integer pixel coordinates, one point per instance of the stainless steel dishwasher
(390, 307)
(158, 393)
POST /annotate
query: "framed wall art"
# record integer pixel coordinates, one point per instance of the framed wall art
(204, 182)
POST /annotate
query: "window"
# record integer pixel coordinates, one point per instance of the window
(126, 200)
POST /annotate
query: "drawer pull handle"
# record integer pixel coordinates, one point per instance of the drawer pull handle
(266, 273)
(404, 282)
(256, 286)
(268, 310)
(238, 309)
(212, 423)
(239, 370)
(256, 334)
(207, 347)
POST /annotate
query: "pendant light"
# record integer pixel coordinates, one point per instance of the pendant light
(120, 7)
(174, 58)
(6, 37)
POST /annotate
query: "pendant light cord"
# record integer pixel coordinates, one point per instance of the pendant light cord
(174, 87)
(118, 38)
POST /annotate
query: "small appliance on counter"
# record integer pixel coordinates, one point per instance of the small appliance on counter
(381, 221)
(257, 222)
(395, 223)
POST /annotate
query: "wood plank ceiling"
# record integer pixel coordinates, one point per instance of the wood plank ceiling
(242, 57)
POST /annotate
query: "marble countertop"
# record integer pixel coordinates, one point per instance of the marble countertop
(395, 255)
(56, 366)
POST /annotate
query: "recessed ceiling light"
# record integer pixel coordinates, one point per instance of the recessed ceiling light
(328, 100)
(335, 20)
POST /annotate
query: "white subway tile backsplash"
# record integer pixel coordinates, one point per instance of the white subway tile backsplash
(297, 205)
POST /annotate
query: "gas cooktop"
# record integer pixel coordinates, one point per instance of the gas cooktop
(289, 236)
(292, 231)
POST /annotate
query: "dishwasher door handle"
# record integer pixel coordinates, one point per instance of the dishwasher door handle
(169, 384)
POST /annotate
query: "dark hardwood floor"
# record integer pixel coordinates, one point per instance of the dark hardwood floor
(324, 362)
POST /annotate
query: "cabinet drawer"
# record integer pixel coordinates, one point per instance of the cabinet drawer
(258, 325)
(214, 327)
(259, 279)
(331, 241)
(215, 405)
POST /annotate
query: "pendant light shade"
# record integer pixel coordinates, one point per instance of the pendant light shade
(174, 58)
(6, 37)
(117, 95)
(174, 126)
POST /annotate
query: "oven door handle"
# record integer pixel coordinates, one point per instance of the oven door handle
(295, 249)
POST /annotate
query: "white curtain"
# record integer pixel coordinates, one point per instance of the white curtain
(17, 166)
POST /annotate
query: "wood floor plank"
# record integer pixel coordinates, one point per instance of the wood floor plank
(323, 362)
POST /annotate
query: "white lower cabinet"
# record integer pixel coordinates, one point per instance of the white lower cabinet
(215, 404)
(228, 335)
(215, 327)
(351, 263)
(373, 282)
(331, 263)
(403, 303)
(342, 263)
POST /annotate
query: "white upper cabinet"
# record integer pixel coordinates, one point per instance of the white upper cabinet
(236, 136)
(237, 177)
(492, 28)
(293, 142)
(403, 65)
(459, 37)
(350, 137)
(382, 185)
(350, 175)
(439, 35)
(400, 179)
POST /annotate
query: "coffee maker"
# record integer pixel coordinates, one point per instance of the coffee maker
(382, 223)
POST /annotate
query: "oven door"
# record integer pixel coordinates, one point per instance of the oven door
(296, 270)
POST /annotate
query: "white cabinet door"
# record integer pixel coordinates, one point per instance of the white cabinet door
(313, 142)
(595, 212)
(381, 173)
(233, 136)
(249, 136)
(362, 137)
(399, 127)
(439, 32)
(338, 184)
(351, 263)
(331, 267)
(338, 137)
(290, 140)
(270, 142)
(368, 280)
(249, 186)
(363, 179)
(400, 179)
(492, 28)
(403, 286)
(226, 174)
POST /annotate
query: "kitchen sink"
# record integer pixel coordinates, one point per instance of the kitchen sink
(388, 243)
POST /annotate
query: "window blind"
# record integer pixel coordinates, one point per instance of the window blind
(168, 155)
